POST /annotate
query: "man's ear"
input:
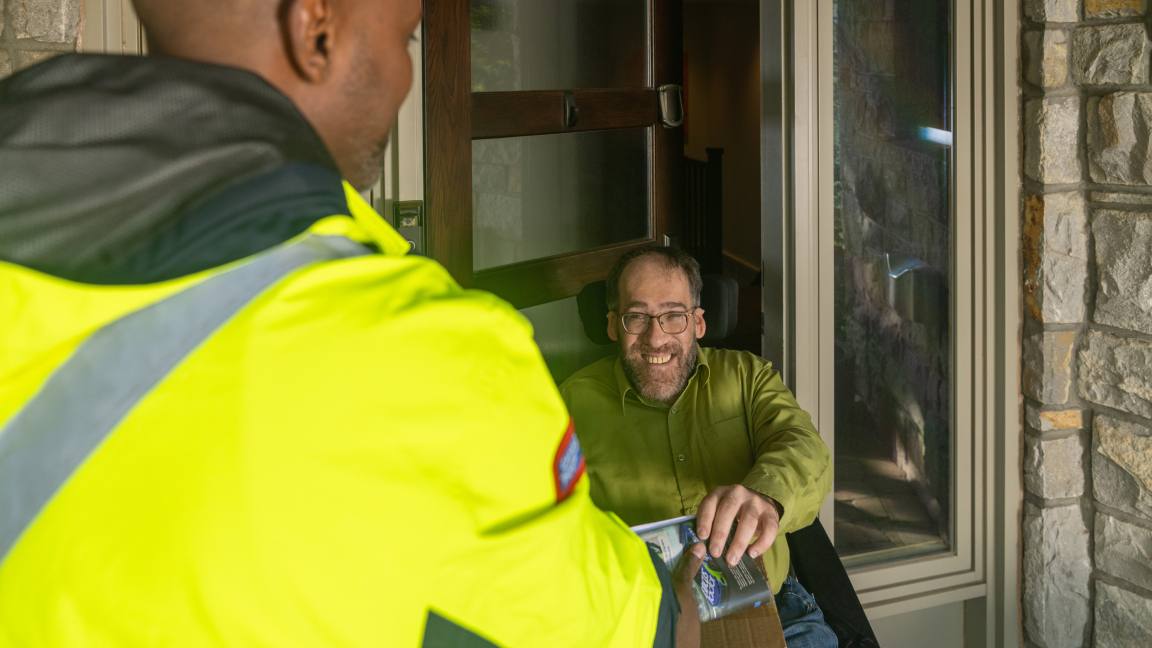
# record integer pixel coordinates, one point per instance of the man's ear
(613, 322)
(698, 319)
(309, 35)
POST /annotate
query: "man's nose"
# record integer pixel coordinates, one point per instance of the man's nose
(654, 336)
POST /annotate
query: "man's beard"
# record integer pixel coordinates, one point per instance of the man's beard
(660, 383)
(371, 166)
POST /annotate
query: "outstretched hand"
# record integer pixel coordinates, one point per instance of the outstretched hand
(757, 522)
(688, 625)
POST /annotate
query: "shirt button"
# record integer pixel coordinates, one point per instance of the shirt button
(675, 409)
(681, 457)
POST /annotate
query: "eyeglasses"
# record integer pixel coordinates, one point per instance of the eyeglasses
(672, 323)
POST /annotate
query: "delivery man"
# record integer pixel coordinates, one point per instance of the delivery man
(232, 411)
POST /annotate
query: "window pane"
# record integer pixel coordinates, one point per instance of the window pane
(893, 121)
(558, 44)
(534, 197)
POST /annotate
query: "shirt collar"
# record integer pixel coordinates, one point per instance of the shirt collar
(623, 386)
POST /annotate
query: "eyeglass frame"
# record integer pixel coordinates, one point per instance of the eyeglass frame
(648, 321)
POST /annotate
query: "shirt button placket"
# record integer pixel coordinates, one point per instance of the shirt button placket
(679, 440)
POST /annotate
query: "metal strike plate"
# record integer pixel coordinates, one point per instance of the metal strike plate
(409, 218)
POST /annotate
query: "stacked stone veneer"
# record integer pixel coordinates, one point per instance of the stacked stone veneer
(33, 30)
(1087, 247)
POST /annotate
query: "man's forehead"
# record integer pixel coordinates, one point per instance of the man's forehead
(636, 303)
(650, 281)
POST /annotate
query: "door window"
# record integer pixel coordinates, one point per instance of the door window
(548, 157)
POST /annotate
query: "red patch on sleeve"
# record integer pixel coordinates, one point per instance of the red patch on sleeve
(568, 466)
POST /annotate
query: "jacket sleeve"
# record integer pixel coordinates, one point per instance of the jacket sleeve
(531, 560)
(669, 606)
(792, 463)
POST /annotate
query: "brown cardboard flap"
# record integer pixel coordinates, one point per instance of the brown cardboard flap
(752, 628)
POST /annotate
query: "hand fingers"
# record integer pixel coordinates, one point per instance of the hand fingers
(745, 531)
(769, 528)
(722, 525)
(705, 513)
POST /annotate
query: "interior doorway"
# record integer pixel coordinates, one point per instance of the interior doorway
(722, 127)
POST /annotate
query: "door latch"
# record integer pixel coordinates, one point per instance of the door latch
(571, 110)
(671, 105)
(408, 215)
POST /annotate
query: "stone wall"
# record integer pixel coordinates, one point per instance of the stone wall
(33, 30)
(1087, 245)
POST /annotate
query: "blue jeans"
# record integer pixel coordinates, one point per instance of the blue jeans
(801, 618)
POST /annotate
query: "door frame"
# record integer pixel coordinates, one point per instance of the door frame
(111, 27)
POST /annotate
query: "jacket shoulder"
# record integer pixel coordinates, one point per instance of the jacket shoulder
(404, 325)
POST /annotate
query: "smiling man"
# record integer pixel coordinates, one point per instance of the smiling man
(670, 428)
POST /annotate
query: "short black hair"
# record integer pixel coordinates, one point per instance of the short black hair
(672, 258)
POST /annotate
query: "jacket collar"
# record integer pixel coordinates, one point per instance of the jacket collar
(128, 170)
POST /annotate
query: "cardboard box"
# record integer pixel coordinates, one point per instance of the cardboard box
(753, 628)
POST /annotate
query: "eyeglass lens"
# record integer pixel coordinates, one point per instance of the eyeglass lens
(670, 323)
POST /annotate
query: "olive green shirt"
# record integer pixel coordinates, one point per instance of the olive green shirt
(735, 423)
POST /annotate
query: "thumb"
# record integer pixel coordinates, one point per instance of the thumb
(690, 562)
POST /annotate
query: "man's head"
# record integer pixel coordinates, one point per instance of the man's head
(658, 354)
(344, 63)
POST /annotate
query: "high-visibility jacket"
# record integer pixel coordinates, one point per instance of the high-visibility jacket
(326, 442)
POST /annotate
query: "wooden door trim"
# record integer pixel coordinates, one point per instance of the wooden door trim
(543, 280)
(513, 114)
(448, 128)
(667, 161)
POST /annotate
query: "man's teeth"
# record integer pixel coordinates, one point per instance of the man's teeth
(658, 359)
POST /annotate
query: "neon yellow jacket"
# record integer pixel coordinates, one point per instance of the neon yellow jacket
(362, 444)
(362, 454)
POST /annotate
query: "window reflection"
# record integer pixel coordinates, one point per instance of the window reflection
(534, 197)
(557, 44)
(893, 259)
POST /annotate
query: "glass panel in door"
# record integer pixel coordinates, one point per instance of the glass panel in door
(555, 44)
(534, 197)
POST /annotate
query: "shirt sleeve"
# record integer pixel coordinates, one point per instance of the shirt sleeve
(792, 463)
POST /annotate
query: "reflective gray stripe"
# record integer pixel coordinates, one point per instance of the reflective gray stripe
(87, 396)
